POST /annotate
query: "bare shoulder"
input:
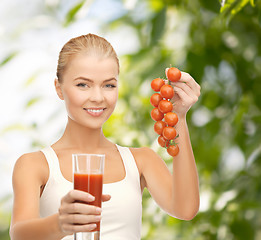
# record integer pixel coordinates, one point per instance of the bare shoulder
(145, 156)
(144, 153)
(29, 165)
(30, 160)
(30, 174)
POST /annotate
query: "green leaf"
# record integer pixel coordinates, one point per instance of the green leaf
(252, 2)
(32, 101)
(156, 4)
(8, 58)
(70, 17)
(13, 127)
(233, 6)
(239, 6)
(30, 80)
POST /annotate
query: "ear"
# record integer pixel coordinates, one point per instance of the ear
(58, 89)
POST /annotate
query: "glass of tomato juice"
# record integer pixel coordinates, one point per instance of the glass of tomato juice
(88, 176)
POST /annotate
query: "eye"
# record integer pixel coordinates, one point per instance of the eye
(110, 86)
(81, 85)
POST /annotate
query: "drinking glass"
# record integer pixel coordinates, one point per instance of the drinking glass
(88, 176)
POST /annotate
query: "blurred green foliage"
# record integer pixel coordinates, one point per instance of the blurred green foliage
(220, 47)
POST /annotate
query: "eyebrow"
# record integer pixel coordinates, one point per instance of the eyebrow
(90, 80)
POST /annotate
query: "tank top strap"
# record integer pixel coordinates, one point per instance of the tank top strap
(53, 162)
(129, 162)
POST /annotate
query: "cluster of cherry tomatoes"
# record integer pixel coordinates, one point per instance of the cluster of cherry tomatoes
(162, 113)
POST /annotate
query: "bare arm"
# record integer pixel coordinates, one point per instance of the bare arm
(176, 193)
(28, 176)
(185, 177)
(38, 228)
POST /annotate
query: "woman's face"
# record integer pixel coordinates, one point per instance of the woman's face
(89, 89)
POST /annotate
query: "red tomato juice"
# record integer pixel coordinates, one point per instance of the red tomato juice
(91, 183)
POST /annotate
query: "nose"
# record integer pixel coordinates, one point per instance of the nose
(96, 94)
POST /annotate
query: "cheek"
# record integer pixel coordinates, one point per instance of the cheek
(73, 98)
(113, 97)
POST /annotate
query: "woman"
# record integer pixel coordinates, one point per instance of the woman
(46, 207)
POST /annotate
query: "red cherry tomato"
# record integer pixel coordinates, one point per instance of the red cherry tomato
(169, 133)
(173, 150)
(156, 84)
(155, 99)
(163, 142)
(171, 118)
(173, 74)
(158, 127)
(165, 106)
(156, 114)
(167, 91)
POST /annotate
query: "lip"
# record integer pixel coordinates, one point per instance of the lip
(93, 113)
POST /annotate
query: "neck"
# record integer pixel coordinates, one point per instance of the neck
(79, 137)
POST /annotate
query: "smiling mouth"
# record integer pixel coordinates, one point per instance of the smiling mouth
(95, 111)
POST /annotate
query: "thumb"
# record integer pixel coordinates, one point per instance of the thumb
(106, 197)
(166, 71)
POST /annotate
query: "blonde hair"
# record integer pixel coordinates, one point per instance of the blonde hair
(86, 44)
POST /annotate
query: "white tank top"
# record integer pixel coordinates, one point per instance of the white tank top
(121, 215)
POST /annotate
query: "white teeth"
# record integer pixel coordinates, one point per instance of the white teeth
(95, 110)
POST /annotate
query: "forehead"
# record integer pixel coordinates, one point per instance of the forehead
(91, 66)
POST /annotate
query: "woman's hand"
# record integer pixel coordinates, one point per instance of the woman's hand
(187, 92)
(76, 215)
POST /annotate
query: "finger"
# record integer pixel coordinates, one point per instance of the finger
(186, 99)
(166, 71)
(106, 197)
(70, 228)
(186, 78)
(82, 219)
(82, 208)
(190, 81)
(190, 92)
(76, 195)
